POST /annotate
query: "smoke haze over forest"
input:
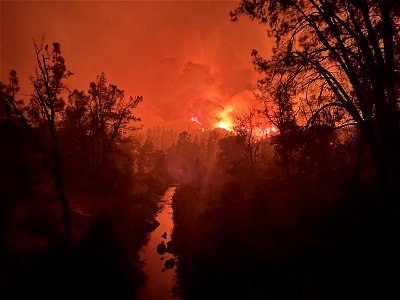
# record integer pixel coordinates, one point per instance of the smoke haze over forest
(184, 58)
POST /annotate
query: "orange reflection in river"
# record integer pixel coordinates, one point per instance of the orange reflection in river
(159, 283)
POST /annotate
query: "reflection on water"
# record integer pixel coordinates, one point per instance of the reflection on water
(159, 282)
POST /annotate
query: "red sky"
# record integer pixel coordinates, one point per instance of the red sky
(183, 57)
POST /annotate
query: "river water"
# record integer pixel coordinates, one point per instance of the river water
(160, 282)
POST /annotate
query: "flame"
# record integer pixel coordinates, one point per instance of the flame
(224, 125)
(194, 119)
(225, 121)
(267, 131)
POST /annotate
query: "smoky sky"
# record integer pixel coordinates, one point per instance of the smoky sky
(186, 58)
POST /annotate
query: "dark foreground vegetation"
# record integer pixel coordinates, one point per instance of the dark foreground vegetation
(318, 216)
(258, 234)
(75, 205)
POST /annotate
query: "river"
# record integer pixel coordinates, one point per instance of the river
(159, 282)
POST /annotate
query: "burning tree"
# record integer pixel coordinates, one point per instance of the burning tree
(345, 54)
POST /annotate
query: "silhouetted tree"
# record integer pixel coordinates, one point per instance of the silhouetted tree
(348, 50)
(278, 108)
(46, 106)
(99, 119)
(44, 111)
(246, 127)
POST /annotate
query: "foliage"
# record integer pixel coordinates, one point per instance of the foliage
(99, 119)
(246, 131)
(339, 58)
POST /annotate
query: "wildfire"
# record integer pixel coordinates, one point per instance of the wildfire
(268, 131)
(194, 119)
(225, 121)
(224, 125)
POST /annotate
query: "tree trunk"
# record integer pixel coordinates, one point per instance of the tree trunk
(360, 156)
(57, 174)
(65, 210)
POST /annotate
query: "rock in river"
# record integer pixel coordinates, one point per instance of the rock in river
(161, 248)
